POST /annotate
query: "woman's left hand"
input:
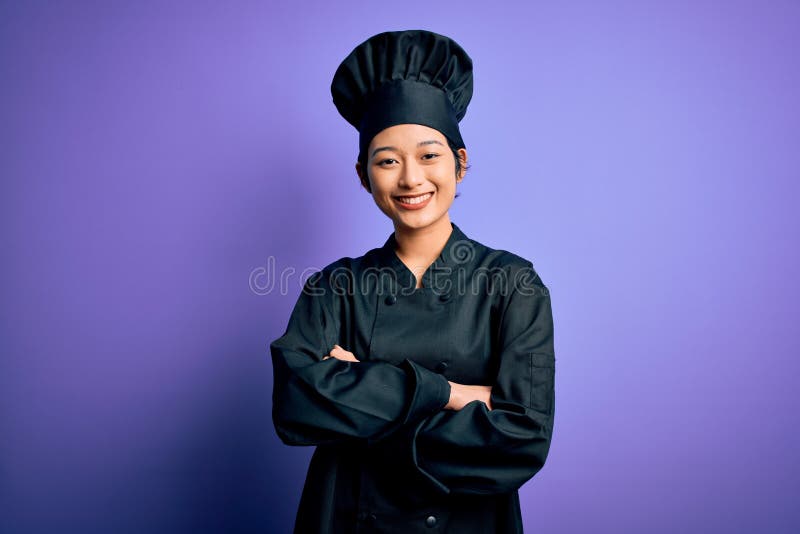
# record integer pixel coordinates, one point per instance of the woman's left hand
(340, 354)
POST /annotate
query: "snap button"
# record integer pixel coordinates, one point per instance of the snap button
(371, 518)
(391, 299)
(441, 367)
(430, 521)
(444, 297)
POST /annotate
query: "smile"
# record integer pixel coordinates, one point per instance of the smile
(416, 201)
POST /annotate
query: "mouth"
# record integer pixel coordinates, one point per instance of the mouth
(414, 201)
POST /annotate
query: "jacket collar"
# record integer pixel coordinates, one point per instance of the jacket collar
(457, 251)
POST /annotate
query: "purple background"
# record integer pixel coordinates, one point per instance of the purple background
(153, 156)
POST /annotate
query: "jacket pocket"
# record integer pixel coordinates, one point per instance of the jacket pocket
(542, 373)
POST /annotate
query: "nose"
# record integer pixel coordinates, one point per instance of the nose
(411, 174)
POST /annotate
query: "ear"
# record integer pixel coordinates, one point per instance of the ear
(362, 176)
(462, 156)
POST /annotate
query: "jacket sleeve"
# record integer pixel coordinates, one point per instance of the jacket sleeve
(316, 401)
(480, 451)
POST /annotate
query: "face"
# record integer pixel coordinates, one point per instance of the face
(411, 172)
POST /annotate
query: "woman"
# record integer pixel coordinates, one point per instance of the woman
(422, 371)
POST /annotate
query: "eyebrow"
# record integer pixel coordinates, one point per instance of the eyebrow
(421, 143)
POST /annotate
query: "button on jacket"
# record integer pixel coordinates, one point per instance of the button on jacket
(389, 457)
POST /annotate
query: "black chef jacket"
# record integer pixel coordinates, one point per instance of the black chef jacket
(388, 457)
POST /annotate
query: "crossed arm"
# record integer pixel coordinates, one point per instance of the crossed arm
(460, 394)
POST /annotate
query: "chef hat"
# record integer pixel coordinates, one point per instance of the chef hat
(399, 77)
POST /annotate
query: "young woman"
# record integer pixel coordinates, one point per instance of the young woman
(422, 371)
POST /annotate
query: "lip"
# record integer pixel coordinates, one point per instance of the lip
(414, 206)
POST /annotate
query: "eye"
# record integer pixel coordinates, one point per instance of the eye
(387, 160)
(433, 154)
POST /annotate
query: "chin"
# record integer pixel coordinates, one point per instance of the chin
(413, 221)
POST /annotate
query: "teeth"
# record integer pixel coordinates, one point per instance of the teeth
(415, 200)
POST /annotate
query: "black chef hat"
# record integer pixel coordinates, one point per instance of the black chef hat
(399, 77)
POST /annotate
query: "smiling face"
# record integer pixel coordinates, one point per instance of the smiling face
(411, 175)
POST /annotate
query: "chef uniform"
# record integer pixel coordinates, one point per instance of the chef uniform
(389, 457)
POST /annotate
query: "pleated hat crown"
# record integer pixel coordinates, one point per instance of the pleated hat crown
(399, 77)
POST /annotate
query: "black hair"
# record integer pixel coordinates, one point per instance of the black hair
(365, 168)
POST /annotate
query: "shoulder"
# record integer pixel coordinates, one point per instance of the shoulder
(340, 274)
(516, 269)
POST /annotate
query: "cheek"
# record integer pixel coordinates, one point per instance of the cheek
(380, 195)
(447, 184)
(381, 186)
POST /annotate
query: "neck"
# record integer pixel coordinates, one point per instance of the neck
(426, 243)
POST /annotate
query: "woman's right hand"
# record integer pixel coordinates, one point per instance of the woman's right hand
(462, 394)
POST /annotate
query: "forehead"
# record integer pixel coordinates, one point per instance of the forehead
(406, 136)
